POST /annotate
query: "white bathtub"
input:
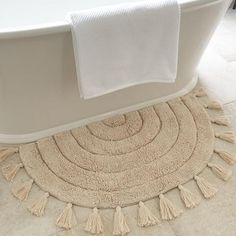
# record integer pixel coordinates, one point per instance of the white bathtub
(38, 87)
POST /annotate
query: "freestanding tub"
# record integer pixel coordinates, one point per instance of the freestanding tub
(38, 88)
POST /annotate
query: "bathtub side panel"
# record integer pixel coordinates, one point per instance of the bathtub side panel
(38, 85)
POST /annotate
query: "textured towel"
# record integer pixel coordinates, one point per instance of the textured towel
(124, 45)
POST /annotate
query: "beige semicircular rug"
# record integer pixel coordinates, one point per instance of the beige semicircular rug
(126, 160)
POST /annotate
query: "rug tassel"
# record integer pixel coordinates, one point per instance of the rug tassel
(94, 223)
(65, 218)
(190, 200)
(168, 210)
(230, 158)
(207, 189)
(22, 192)
(220, 171)
(201, 92)
(221, 120)
(6, 152)
(10, 171)
(38, 207)
(146, 217)
(226, 136)
(120, 225)
(213, 105)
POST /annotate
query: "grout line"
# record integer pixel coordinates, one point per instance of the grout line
(229, 103)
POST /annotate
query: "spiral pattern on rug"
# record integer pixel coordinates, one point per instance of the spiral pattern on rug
(124, 159)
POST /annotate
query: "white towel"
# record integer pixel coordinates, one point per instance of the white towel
(124, 45)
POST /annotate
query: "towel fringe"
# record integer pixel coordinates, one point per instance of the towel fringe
(168, 210)
(94, 223)
(38, 207)
(120, 226)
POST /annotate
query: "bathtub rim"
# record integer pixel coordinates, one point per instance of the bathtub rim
(63, 26)
(34, 136)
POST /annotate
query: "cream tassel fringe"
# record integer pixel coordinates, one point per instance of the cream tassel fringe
(65, 218)
(190, 200)
(146, 217)
(22, 192)
(226, 136)
(201, 92)
(230, 158)
(120, 225)
(5, 152)
(221, 120)
(10, 171)
(94, 224)
(207, 189)
(168, 210)
(220, 171)
(214, 105)
(38, 207)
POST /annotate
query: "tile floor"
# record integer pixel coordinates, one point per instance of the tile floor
(217, 69)
(216, 217)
